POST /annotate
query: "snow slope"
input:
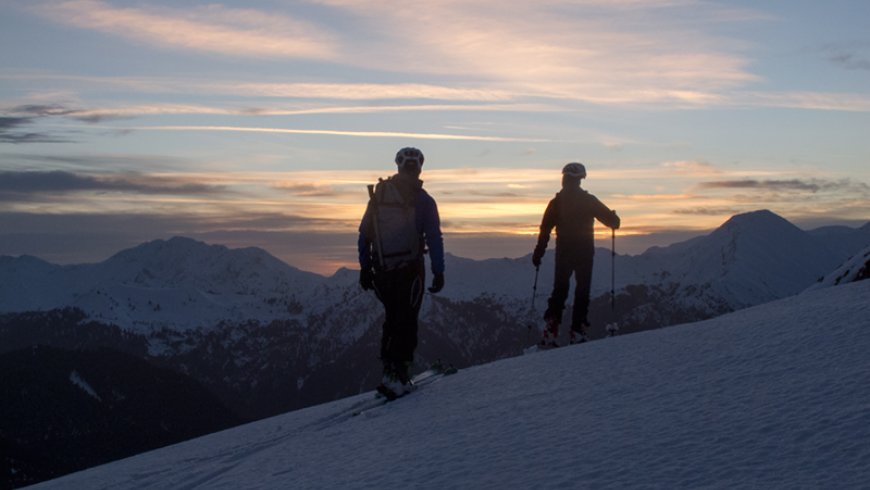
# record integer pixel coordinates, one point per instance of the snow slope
(773, 396)
(856, 268)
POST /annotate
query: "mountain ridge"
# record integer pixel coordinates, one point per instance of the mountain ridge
(182, 283)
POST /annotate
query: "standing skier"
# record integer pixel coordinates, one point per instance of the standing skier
(573, 212)
(400, 219)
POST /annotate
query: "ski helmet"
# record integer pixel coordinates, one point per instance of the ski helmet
(574, 170)
(409, 156)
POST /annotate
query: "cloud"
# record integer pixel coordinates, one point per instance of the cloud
(307, 189)
(367, 91)
(17, 185)
(692, 167)
(710, 211)
(825, 101)
(21, 116)
(588, 52)
(636, 52)
(789, 185)
(848, 55)
(332, 132)
(851, 61)
(39, 110)
(10, 132)
(210, 28)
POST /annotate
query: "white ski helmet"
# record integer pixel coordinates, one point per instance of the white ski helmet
(409, 156)
(574, 170)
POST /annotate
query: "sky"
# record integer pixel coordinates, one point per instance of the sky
(260, 123)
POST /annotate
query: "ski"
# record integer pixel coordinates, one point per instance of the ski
(428, 376)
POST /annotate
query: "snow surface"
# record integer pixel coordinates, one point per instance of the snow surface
(774, 396)
(76, 379)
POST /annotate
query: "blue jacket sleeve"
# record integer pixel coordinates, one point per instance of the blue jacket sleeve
(430, 222)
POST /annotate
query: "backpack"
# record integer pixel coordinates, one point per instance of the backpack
(395, 240)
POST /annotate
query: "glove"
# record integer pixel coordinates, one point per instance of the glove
(437, 283)
(616, 221)
(366, 279)
(537, 256)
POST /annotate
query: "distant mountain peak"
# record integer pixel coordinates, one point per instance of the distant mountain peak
(757, 218)
(758, 223)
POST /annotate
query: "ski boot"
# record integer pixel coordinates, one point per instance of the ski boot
(550, 337)
(579, 335)
(396, 381)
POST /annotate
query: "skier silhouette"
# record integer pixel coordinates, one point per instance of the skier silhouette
(573, 213)
(400, 218)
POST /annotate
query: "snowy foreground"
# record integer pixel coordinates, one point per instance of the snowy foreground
(776, 396)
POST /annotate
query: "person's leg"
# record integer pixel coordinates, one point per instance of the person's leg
(401, 292)
(561, 285)
(387, 289)
(405, 337)
(583, 279)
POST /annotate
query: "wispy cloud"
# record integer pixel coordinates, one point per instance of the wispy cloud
(212, 28)
(12, 131)
(16, 185)
(790, 185)
(330, 132)
(849, 55)
(18, 117)
(827, 101)
(710, 211)
(592, 52)
(692, 167)
(598, 52)
(649, 54)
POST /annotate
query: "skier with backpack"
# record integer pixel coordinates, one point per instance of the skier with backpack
(400, 222)
(573, 213)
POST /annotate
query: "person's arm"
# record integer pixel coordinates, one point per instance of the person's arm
(434, 241)
(363, 244)
(548, 222)
(605, 215)
(432, 234)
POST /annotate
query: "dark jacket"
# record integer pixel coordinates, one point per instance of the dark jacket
(573, 213)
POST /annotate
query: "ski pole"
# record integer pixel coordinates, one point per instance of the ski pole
(531, 323)
(535, 287)
(374, 204)
(613, 270)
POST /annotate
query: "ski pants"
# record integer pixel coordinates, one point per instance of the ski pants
(580, 265)
(401, 292)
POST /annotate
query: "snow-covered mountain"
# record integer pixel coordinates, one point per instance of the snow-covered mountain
(856, 268)
(752, 258)
(182, 284)
(178, 283)
(752, 399)
(843, 239)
